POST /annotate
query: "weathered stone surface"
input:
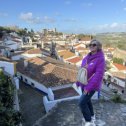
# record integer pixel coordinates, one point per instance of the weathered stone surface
(31, 105)
(68, 114)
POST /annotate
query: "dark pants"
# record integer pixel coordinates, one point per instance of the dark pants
(86, 105)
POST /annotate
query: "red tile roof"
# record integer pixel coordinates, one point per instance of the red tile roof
(119, 66)
(66, 54)
(74, 60)
(111, 49)
(119, 74)
(48, 71)
(85, 39)
(81, 48)
(34, 51)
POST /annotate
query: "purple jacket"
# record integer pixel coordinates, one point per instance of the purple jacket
(96, 66)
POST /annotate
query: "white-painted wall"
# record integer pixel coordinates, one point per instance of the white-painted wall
(50, 94)
(30, 55)
(16, 80)
(37, 85)
(8, 67)
(12, 45)
(119, 81)
(60, 42)
(79, 63)
(49, 104)
(17, 57)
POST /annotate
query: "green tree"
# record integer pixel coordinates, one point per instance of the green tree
(118, 60)
(8, 116)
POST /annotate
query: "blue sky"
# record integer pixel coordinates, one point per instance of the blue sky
(70, 16)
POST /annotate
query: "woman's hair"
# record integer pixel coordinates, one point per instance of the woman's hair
(98, 43)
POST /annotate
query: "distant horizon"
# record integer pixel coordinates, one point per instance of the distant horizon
(68, 33)
(68, 16)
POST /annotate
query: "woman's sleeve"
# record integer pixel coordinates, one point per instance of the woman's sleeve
(83, 61)
(96, 79)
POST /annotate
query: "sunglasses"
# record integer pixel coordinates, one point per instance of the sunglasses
(92, 45)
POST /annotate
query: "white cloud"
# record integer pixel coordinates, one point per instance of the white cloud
(28, 17)
(3, 14)
(113, 27)
(47, 19)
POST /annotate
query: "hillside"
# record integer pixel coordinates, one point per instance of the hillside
(113, 39)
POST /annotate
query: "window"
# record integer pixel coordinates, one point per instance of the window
(115, 81)
(32, 84)
(26, 80)
(21, 78)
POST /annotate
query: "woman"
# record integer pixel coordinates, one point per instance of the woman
(95, 68)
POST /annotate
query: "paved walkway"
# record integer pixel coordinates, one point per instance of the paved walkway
(106, 88)
(68, 114)
(31, 104)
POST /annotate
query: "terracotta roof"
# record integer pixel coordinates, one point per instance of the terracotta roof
(119, 75)
(74, 60)
(111, 49)
(34, 51)
(66, 54)
(119, 66)
(81, 48)
(86, 39)
(48, 71)
(77, 44)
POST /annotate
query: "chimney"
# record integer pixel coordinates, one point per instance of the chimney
(25, 63)
(42, 45)
(35, 46)
(76, 53)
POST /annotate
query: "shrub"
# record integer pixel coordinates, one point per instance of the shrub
(117, 98)
(8, 116)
